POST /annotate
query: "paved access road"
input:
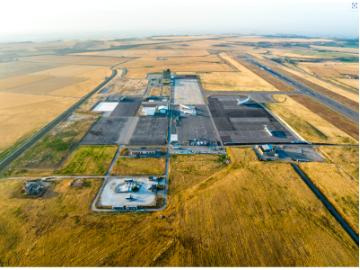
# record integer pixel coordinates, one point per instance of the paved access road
(332, 104)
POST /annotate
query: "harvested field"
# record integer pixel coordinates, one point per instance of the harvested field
(88, 160)
(339, 121)
(337, 49)
(233, 81)
(300, 77)
(20, 81)
(154, 91)
(14, 69)
(91, 79)
(50, 150)
(114, 53)
(279, 85)
(351, 82)
(139, 166)
(22, 115)
(76, 60)
(309, 125)
(348, 98)
(47, 86)
(165, 53)
(237, 207)
(340, 188)
(330, 69)
(66, 71)
(139, 68)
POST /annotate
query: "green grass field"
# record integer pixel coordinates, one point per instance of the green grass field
(50, 150)
(88, 160)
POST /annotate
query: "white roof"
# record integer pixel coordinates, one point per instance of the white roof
(173, 137)
(163, 107)
(105, 106)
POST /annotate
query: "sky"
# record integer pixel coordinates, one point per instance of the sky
(39, 20)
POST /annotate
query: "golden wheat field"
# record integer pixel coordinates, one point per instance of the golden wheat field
(331, 68)
(310, 126)
(21, 80)
(352, 82)
(244, 80)
(17, 68)
(47, 86)
(21, 115)
(76, 60)
(329, 86)
(89, 80)
(165, 53)
(139, 68)
(66, 71)
(248, 213)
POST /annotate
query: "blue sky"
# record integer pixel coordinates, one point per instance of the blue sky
(38, 19)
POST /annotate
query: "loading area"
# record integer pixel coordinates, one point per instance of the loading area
(246, 123)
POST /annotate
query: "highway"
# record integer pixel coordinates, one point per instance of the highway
(332, 104)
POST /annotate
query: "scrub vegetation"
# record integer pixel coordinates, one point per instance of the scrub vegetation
(139, 166)
(248, 213)
(88, 160)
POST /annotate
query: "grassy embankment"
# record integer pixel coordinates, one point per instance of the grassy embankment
(338, 182)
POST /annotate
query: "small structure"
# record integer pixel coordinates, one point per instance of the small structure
(349, 76)
(173, 138)
(153, 188)
(33, 188)
(163, 109)
(153, 178)
(148, 111)
(127, 186)
(267, 148)
(145, 151)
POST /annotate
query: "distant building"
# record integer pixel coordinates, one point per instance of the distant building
(351, 76)
(166, 76)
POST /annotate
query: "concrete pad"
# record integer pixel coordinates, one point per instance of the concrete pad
(187, 91)
(109, 196)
